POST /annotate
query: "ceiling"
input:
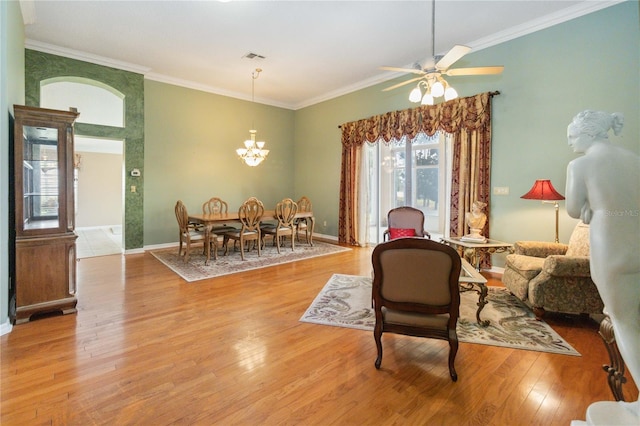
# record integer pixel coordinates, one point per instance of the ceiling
(313, 50)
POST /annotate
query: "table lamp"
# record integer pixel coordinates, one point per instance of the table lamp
(543, 190)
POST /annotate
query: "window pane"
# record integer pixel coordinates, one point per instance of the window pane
(427, 190)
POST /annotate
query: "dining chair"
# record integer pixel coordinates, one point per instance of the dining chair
(250, 213)
(216, 205)
(405, 221)
(190, 234)
(303, 223)
(416, 292)
(285, 214)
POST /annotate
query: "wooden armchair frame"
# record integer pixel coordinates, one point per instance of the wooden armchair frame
(416, 292)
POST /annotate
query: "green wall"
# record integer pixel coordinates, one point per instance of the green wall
(592, 62)
(190, 142)
(42, 66)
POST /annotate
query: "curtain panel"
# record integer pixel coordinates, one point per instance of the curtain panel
(468, 119)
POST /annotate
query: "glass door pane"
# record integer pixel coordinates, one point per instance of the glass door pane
(41, 190)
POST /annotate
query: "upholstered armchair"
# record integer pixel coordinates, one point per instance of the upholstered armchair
(416, 292)
(553, 276)
(405, 221)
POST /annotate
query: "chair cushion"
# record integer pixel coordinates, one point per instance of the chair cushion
(527, 266)
(401, 232)
(579, 241)
(440, 321)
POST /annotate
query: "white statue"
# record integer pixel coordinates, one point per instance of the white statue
(603, 189)
(475, 220)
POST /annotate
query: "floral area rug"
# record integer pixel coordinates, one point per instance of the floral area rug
(345, 301)
(195, 269)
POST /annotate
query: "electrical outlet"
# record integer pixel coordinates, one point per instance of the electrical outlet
(324, 223)
(500, 190)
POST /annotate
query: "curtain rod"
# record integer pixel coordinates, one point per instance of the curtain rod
(491, 94)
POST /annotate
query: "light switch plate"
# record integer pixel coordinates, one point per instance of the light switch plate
(500, 190)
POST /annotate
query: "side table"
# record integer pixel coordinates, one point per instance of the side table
(471, 280)
(473, 251)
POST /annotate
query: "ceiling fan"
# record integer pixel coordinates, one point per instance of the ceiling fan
(431, 76)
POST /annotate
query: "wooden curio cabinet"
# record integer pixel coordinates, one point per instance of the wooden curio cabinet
(45, 279)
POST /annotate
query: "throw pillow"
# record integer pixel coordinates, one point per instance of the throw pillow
(401, 232)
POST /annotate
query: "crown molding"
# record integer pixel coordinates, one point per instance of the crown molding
(83, 56)
(542, 23)
(215, 90)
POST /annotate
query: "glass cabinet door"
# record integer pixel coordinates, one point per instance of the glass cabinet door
(41, 178)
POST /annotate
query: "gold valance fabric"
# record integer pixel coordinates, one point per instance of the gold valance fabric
(470, 113)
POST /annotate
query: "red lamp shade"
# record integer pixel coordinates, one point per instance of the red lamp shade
(542, 190)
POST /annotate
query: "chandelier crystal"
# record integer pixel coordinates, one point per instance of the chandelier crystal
(253, 152)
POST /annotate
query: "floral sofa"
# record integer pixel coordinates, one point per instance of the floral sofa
(554, 276)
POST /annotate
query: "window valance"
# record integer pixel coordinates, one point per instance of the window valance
(471, 114)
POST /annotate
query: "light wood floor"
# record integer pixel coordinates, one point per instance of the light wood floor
(147, 348)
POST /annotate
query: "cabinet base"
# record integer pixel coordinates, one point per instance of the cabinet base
(66, 306)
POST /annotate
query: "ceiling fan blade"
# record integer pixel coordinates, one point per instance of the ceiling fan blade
(405, 70)
(395, 86)
(474, 71)
(456, 52)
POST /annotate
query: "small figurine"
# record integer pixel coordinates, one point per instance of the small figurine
(476, 220)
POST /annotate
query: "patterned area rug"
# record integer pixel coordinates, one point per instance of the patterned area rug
(196, 270)
(345, 301)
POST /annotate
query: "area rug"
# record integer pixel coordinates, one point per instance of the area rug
(345, 301)
(196, 270)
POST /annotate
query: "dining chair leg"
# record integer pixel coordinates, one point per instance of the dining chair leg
(276, 240)
(225, 244)
(214, 244)
(242, 248)
(188, 250)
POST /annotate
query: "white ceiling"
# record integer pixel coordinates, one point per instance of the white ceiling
(314, 50)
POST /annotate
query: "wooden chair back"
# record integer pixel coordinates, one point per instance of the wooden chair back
(250, 213)
(304, 205)
(406, 217)
(285, 213)
(416, 292)
(182, 216)
(215, 206)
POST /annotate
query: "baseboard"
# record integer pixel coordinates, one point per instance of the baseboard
(320, 237)
(496, 270)
(6, 328)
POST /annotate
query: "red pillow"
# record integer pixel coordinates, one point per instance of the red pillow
(401, 232)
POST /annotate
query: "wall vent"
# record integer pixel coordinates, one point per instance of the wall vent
(252, 55)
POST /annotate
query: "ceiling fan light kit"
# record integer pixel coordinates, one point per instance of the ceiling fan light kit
(435, 86)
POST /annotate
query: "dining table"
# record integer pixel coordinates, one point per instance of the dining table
(209, 220)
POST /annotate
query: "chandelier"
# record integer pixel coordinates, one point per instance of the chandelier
(253, 152)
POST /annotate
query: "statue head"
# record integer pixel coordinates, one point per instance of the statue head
(589, 126)
(478, 206)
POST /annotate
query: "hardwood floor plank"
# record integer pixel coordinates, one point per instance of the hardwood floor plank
(146, 347)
